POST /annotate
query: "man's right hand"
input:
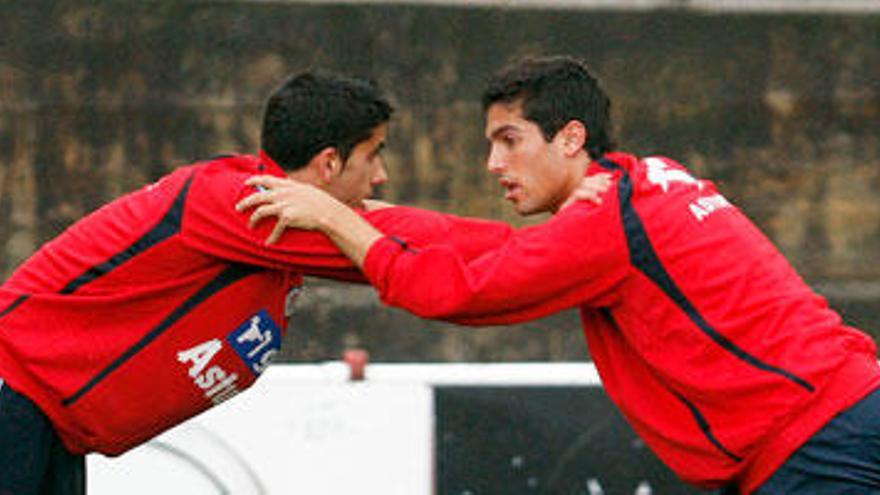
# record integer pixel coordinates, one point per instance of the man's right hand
(591, 189)
(295, 204)
(302, 206)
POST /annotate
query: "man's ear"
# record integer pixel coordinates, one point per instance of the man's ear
(574, 136)
(328, 164)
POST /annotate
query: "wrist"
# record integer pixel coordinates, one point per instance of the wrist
(333, 216)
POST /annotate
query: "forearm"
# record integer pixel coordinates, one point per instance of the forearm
(472, 237)
(540, 270)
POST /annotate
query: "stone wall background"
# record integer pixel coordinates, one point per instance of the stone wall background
(98, 98)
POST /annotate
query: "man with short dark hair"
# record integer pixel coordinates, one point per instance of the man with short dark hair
(724, 361)
(165, 302)
(324, 117)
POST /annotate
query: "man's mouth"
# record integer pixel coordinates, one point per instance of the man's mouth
(511, 186)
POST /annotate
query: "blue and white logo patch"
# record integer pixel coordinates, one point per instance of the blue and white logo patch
(256, 341)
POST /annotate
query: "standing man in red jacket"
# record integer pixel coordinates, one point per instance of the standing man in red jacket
(164, 302)
(729, 366)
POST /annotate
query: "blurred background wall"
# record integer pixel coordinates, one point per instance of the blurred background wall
(781, 109)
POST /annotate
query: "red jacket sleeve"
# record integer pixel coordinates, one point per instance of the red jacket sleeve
(213, 226)
(577, 257)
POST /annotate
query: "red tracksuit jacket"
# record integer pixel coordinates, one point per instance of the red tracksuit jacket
(716, 351)
(164, 303)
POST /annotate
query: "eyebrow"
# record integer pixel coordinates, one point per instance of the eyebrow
(502, 130)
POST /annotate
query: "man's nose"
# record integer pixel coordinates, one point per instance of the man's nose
(381, 175)
(494, 164)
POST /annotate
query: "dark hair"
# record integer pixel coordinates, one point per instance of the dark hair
(554, 91)
(317, 109)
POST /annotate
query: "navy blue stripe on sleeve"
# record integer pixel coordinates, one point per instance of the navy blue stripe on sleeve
(15, 304)
(168, 226)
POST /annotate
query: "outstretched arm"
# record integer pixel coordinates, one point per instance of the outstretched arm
(536, 271)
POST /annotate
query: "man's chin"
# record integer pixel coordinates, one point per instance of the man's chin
(525, 210)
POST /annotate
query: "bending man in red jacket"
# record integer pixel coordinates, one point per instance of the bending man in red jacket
(164, 302)
(726, 363)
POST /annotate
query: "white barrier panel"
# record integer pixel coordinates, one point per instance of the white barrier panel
(300, 429)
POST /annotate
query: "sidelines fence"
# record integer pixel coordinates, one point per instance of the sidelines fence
(407, 429)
